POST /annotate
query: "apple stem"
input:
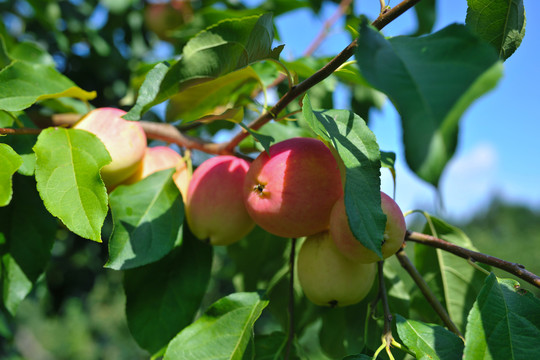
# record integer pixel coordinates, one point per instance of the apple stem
(426, 291)
(290, 336)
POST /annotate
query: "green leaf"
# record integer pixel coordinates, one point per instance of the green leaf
(5, 60)
(213, 97)
(388, 159)
(279, 131)
(29, 231)
(358, 148)
(163, 297)
(148, 218)
(227, 46)
(68, 180)
(10, 161)
(270, 347)
(22, 84)
(429, 341)
(22, 144)
(257, 258)
(499, 22)
(455, 282)
(504, 322)
(425, 15)
(223, 332)
(431, 80)
(264, 140)
(32, 53)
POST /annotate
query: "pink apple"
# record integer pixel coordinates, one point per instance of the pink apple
(124, 140)
(394, 232)
(159, 158)
(291, 192)
(215, 210)
(327, 277)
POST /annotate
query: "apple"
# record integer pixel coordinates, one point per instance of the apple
(291, 192)
(327, 277)
(159, 158)
(124, 140)
(215, 209)
(163, 17)
(394, 232)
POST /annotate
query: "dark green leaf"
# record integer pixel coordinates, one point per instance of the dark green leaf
(29, 232)
(499, 22)
(10, 161)
(455, 282)
(257, 258)
(264, 140)
(431, 80)
(425, 16)
(148, 218)
(22, 84)
(388, 159)
(429, 341)
(223, 332)
(270, 347)
(163, 297)
(504, 322)
(220, 49)
(68, 162)
(358, 148)
(279, 131)
(32, 53)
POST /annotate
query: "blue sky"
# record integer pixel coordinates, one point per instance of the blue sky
(499, 140)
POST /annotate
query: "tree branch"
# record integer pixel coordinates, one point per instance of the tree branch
(21, 131)
(384, 19)
(510, 267)
(428, 294)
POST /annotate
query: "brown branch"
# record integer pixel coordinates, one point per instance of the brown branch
(383, 296)
(21, 131)
(428, 294)
(510, 267)
(384, 19)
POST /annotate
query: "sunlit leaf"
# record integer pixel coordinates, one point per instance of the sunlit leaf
(213, 97)
(148, 218)
(499, 22)
(504, 322)
(10, 161)
(68, 162)
(22, 84)
(429, 341)
(222, 48)
(222, 332)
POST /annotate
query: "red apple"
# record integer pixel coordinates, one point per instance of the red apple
(159, 158)
(215, 209)
(327, 277)
(124, 140)
(291, 192)
(394, 232)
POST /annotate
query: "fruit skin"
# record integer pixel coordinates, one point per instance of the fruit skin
(215, 209)
(159, 158)
(327, 277)
(291, 192)
(394, 232)
(124, 140)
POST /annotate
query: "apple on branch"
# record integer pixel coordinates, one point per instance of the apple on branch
(124, 140)
(327, 277)
(394, 232)
(215, 209)
(290, 192)
(159, 158)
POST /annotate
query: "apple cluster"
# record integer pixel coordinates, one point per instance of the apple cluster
(293, 190)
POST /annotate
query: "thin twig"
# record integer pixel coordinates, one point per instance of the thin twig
(379, 23)
(290, 336)
(428, 294)
(510, 267)
(21, 131)
(383, 296)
